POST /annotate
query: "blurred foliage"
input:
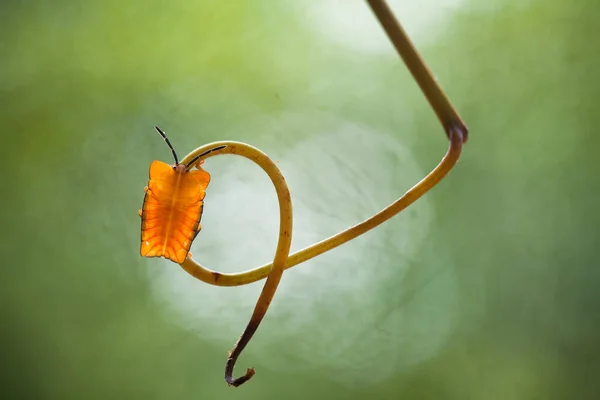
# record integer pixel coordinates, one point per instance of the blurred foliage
(83, 83)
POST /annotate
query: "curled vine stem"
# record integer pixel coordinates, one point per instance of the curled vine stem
(281, 253)
(457, 134)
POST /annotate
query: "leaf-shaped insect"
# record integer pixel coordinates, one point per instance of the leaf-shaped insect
(172, 207)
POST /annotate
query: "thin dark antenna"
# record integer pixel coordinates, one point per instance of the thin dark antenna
(164, 136)
(188, 165)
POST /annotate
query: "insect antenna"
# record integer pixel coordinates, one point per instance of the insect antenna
(188, 165)
(164, 136)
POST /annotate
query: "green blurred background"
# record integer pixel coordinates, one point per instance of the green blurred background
(487, 288)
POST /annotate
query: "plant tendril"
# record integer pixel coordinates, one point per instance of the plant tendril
(457, 134)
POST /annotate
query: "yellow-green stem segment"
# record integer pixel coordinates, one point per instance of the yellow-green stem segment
(242, 278)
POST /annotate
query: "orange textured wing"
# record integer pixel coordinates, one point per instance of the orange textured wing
(172, 211)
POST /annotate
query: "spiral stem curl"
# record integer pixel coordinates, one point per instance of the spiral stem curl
(455, 129)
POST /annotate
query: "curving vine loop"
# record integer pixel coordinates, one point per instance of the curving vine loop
(281, 253)
(455, 129)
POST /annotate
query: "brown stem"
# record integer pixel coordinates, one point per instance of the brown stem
(259, 312)
(435, 95)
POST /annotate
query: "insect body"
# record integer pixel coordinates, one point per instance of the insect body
(172, 207)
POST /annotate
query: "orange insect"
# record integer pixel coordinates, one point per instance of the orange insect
(173, 206)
